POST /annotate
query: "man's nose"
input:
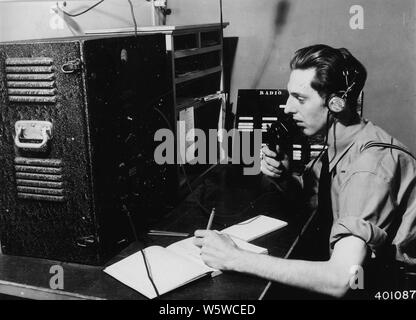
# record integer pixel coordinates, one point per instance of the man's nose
(289, 107)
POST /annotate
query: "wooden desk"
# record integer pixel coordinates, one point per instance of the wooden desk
(236, 198)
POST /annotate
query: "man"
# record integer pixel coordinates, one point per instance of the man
(371, 191)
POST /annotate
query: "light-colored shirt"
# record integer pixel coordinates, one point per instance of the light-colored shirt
(373, 190)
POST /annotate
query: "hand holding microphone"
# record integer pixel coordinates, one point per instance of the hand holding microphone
(274, 163)
(274, 158)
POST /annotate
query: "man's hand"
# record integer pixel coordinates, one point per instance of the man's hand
(217, 250)
(269, 164)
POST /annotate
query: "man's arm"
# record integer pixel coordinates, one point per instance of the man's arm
(330, 277)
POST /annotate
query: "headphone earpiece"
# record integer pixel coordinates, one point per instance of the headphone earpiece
(336, 104)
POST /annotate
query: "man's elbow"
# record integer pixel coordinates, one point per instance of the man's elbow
(340, 290)
(340, 285)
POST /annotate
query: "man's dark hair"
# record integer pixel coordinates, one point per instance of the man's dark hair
(330, 65)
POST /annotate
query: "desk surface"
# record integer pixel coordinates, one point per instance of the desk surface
(235, 198)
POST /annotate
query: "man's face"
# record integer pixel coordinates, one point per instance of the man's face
(305, 104)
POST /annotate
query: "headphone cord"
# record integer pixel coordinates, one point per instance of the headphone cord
(388, 145)
(324, 144)
(335, 142)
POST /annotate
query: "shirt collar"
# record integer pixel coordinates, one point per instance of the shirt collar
(340, 140)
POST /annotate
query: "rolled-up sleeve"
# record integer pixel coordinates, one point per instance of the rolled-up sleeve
(365, 205)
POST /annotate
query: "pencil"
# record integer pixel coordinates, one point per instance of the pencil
(167, 233)
(211, 218)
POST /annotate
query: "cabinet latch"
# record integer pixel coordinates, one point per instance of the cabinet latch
(71, 66)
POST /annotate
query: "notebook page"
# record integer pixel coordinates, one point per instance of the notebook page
(254, 228)
(168, 270)
(187, 248)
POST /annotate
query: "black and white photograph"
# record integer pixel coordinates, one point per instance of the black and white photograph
(207, 157)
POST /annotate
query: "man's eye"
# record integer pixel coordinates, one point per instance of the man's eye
(301, 100)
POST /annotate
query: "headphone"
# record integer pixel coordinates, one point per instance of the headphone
(336, 102)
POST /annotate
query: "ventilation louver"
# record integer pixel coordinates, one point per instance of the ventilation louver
(30, 80)
(39, 179)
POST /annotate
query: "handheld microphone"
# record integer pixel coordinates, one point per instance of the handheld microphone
(280, 133)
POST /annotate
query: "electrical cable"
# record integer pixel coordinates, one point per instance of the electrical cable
(98, 3)
(335, 142)
(222, 51)
(146, 262)
(325, 142)
(149, 275)
(83, 12)
(221, 24)
(133, 17)
(133, 229)
(388, 145)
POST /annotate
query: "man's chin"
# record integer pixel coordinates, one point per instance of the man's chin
(308, 132)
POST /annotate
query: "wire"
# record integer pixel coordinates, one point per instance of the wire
(222, 51)
(388, 145)
(98, 3)
(149, 275)
(325, 143)
(133, 17)
(133, 229)
(146, 262)
(221, 23)
(335, 142)
(85, 11)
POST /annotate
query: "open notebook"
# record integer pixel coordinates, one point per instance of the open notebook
(170, 267)
(180, 263)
